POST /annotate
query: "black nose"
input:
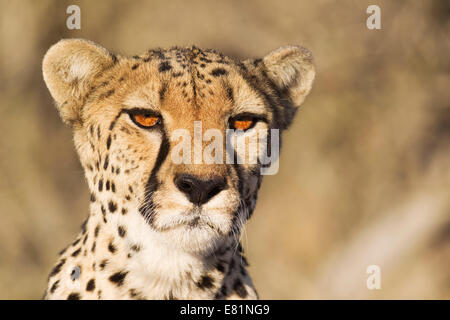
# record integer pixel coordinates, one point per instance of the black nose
(199, 191)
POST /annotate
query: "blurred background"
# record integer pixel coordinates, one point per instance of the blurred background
(364, 174)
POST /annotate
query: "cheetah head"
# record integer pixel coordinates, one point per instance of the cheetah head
(132, 117)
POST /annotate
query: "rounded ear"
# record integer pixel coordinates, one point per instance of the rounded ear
(69, 67)
(291, 68)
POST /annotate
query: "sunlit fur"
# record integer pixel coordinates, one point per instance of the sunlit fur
(157, 244)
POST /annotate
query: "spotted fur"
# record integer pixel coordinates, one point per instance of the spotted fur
(143, 238)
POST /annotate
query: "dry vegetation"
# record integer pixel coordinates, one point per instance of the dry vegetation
(364, 174)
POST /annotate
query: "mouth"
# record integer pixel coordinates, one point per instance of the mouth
(190, 220)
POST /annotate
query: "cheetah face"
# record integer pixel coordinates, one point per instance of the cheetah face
(154, 133)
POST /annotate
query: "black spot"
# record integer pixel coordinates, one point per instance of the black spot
(134, 67)
(92, 197)
(103, 264)
(164, 66)
(106, 162)
(112, 207)
(76, 242)
(54, 286)
(217, 72)
(222, 293)
(162, 92)
(62, 251)
(230, 94)
(107, 185)
(97, 228)
(118, 277)
(83, 227)
(74, 296)
(136, 295)
(128, 197)
(124, 211)
(93, 247)
(220, 267)
(113, 187)
(135, 247)
(177, 74)
(112, 248)
(239, 288)
(205, 60)
(107, 94)
(108, 142)
(100, 185)
(113, 57)
(90, 285)
(205, 282)
(121, 231)
(256, 62)
(76, 252)
(57, 268)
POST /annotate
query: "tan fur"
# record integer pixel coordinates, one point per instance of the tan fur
(93, 90)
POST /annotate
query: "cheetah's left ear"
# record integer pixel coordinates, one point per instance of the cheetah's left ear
(291, 69)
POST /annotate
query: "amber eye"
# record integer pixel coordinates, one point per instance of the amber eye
(242, 124)
(145, 120)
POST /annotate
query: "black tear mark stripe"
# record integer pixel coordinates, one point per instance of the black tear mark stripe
(153, 183)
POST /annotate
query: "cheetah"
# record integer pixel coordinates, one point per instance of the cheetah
(159, 229)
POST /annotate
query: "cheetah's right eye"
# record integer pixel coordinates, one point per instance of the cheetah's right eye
(145, 119)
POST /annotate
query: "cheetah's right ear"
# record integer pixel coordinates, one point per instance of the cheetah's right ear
(69, 67)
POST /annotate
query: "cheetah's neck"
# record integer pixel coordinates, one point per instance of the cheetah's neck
(119, 266)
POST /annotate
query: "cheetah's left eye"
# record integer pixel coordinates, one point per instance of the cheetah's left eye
(243, 123)
(145, 120)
